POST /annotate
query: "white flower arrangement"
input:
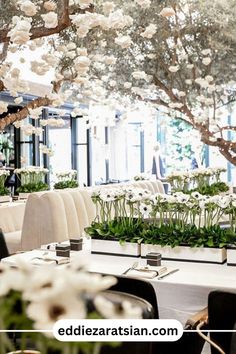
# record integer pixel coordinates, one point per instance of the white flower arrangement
(67, 174)
(183, 181)
(32, 175)
(48, 294)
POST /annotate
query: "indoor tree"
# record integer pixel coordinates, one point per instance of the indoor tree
(177, 56)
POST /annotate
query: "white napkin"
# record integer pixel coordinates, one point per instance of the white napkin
(49, 260)
(146, 273)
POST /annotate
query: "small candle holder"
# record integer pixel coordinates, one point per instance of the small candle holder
(63, 250)
(76, 244)
(153, 259)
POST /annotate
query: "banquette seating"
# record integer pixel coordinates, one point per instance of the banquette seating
(54, 216)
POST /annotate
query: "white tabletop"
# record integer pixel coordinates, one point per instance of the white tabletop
(179, 295)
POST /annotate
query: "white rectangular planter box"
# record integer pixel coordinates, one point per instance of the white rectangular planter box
(185, 253)
(5, 198)
(114, 248)
(231, 256)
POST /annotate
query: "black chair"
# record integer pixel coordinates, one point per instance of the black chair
(222, 316)
(190, 343)
(3, 247)
(137, 287)
(142, 294)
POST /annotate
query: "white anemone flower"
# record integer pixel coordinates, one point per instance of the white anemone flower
(46, 312)
(145, 209)
(111, 310)
(223, 202)
(90, 283)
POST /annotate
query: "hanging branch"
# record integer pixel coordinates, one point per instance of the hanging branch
(24, 111)
(39, 32)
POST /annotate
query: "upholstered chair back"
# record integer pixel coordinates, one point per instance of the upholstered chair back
(89, 205)
(80, 209)
(53, 219)
(11, 217)
(33, 218)
(73, 226)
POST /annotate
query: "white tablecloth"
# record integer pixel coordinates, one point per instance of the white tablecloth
(179, 295)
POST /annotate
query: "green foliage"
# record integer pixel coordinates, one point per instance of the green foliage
(66, 184)
(121, 229)
(173, 235)
(164, 235)
(33, 187)
(213, 189)
(4, 191)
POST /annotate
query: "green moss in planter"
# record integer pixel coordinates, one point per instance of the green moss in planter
(66, 184)
(32, 187)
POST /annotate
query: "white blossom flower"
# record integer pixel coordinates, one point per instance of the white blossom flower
(167, 12)
(35, 113)
(127, 85)
(206, 51)
(149, 31)
(206, 61)
(174, 68)
(123, 41)
(117, 20)
(139, 75)
(144, 3)
(82, 64)
(50, 5)
(108, 7)
(3, 107)
(50, 19)
(209, 78)
(20, 32)
(28, 7)
(84, 4)
(110, 60)
(175, 105)
(18, 100)
(188, 82)
(190, 66)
